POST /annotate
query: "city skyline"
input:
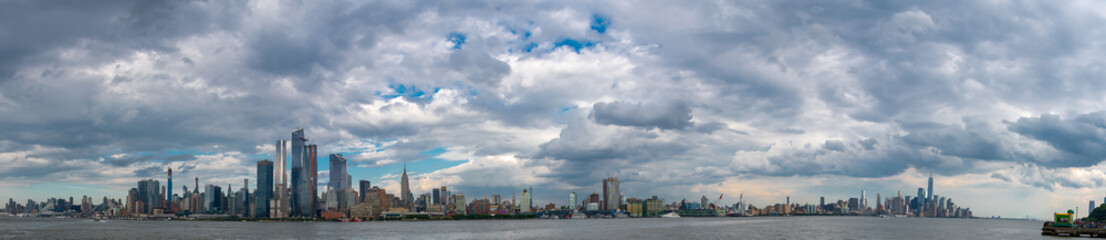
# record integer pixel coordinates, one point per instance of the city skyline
(773, 101)
(340, 200)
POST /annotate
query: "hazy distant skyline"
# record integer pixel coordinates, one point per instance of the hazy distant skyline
(1002, 101)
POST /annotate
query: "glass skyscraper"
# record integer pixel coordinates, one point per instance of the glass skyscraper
(338, 175)
(169, 190)
(311, 153)
(213, 199)
(929, 193)
(436, 197)
(302, 198)
(264, 188)
(280, 205)
(148, 194)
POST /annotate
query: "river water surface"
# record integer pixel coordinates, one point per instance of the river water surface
(641, 228)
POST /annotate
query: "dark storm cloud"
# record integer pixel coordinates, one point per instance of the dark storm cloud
(1083, 135)
(150, 171)
(669, 116)
(278, 53)
(834, 145)
(31, 30)
(975, 139)
(869, 143)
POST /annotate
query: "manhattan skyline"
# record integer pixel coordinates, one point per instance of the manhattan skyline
(1001, 102)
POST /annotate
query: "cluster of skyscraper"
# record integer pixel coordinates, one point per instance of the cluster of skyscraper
(281, 193)
(59, 206)
(924, 204)
(292, 193)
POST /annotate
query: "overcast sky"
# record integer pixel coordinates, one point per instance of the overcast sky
(1003, 102)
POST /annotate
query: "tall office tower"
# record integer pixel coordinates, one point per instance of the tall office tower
(436, 197)
(864, 202)
(405, 188)
(363, 188)
(313, 156)
(879, 202)
(921, 200)
(264, 192)
(339, 180)
(169, 190)
(213, 199)
(572, 200)
(338, 174)
(244, 198)
(445, 196)
(611, 195)
(301, 191)
(148, 193)
(788, 200)
(822, 201)
(900, 204)
(230, 201)
(197, 186)
(280, 199)
(525, 204)
(929, 197)
(295, 203)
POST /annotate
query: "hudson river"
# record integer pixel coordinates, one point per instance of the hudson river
(642, 228)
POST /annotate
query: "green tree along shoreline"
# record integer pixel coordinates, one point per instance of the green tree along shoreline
(1098, 214)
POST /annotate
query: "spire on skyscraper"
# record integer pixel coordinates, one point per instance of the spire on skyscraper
(405, 187)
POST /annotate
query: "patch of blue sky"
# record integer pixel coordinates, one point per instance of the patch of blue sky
(458, 39)
(529, 47)
(460, 87)
(322, 162)
(575, 44)
(599, 23)
(179, 152)
(375, 174)
(404, 90)
(568, 108)
(523, 36)
(434, 152)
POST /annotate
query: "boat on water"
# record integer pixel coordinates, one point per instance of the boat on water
(670, 215)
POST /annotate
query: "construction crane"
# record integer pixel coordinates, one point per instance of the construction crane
(716, 201)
